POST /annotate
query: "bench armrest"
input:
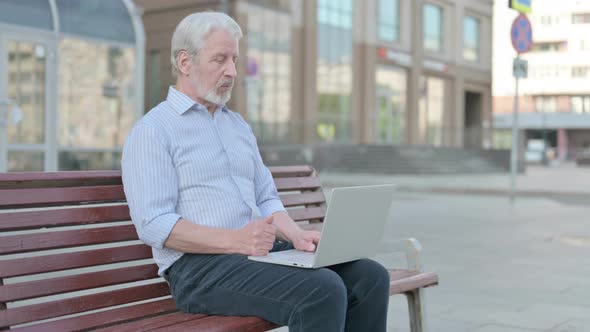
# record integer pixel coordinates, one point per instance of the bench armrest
(412, 248)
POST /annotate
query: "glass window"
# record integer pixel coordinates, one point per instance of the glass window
(31, 13)
(390, 112)
(26, 87)
(82, 160)
(388, 20)
(433, 28)
(334, 70)
(545, 104)
(580, 104)
(580, 71)
(581, 18)
(431, 109)
(154, 80)
(560, 46)
(471, 36)
(268, 80)
(96, 18)
(25, 161)
(96, 101)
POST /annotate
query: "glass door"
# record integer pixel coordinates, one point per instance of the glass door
(25, 131)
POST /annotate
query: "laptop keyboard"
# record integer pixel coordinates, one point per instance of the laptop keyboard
(300, 257)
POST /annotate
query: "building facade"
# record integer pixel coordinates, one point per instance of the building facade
(555, 97)
(348, 71)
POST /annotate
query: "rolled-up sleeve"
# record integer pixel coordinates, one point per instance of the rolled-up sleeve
(267, 197)
(150, 184)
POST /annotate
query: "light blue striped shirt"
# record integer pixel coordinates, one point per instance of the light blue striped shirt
(181, 162)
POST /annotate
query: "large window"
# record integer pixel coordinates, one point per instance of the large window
(32, 13)
(558, 46)
(580, 104)
(96, 102)
(269, 74)
(390, 112)
(580, 71)
(545, 104)
(388, 20)
(433, 28)
(74, 74)
(581, 18)
(431, 110)
(471, 36)
(334, 70)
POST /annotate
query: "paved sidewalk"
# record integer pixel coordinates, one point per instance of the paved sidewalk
(503, 267)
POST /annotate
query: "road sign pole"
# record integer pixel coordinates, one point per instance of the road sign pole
(521, 34)
(514, 151)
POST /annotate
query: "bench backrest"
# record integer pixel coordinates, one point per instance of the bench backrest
(67, 245)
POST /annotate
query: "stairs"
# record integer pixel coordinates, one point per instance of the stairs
(390, 159)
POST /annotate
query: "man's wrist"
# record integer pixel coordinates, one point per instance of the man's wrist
(232, 242)
(286, 226)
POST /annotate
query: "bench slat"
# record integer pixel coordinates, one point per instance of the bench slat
(290, 200)
(105, 318)
(155, 322)
(37, 197)
(72, 283)
(59, 262)
(404, 280)
(16, 221)
(66, 239)
(221, 324)
(35, 312)
(92, 178)
(308, 214)
(290, 171)
(289, 184)
(17, 180)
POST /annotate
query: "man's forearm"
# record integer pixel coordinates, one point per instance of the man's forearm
(190, 238)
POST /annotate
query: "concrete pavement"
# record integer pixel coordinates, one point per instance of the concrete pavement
(502, 266)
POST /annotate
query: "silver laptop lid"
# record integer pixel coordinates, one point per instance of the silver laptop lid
(354, 223)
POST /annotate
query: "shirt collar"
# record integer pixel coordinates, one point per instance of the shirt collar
(182, 103)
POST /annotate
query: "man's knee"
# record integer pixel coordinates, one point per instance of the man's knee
(324, 306)
(328, 293)
(329, 286)
(374, 274)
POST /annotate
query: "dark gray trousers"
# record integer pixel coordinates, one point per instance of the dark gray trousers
(346, 297)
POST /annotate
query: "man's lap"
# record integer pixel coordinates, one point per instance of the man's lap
(234, 285)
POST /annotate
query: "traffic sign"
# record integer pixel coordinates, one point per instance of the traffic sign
(523, 6)
(521, 34)
(520, 68)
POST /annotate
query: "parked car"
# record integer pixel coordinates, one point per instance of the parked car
(535, 151)
(583, 158)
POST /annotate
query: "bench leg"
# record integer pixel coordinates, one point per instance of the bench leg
(416, 309)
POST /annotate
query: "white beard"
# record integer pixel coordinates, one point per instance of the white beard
(217, 99)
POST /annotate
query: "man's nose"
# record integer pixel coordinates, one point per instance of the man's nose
(231, 70)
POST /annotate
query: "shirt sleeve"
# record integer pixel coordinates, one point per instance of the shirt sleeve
(150, 184)
(267, 197)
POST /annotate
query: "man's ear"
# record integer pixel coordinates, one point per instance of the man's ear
(184, 61)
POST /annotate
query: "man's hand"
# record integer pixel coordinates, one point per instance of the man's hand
(257, 237)
(306, 240)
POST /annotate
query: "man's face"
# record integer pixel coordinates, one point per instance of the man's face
(214, 69)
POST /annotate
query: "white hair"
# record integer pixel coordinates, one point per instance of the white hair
(193, 29)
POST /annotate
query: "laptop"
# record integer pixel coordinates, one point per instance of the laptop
(353, 227)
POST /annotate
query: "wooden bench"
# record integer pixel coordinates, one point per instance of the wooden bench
(70, 259)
